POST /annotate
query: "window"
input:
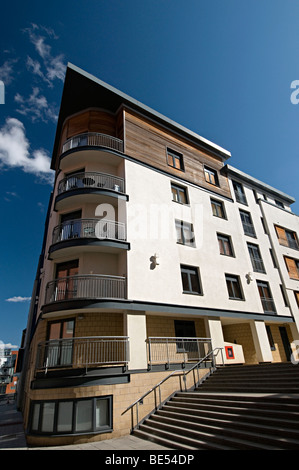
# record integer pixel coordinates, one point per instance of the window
(185, 329)
(247, 224)
(292, 267)
(59, 350)
(256, 259)
(184, 231)
(297, 297)
(175, 159)
(225, 245)
(190, 280)
(179, 194)
(266, 297)
(234, 287)
(279, 204)
(286, 237)
(218, 208)
(86, 415)
(211, 176)
(239, 193)
(270, 338)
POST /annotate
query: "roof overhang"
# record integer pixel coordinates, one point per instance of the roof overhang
(257, 183)
(82, 91)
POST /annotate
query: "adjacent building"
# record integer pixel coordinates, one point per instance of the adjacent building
(156, 251)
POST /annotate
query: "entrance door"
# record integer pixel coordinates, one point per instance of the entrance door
(285, 342)
(66, 287)
(59, 350)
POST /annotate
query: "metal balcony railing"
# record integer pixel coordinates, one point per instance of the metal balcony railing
(91, 180)
(258, 265)
(83, 352)
(248, 229)
(90, 286)
(93, 139)
(268, 305)
(167, 350)
(89, 228)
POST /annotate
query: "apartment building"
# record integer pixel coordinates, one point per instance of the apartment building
(156, 252)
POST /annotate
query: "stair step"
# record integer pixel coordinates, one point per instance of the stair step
(238, 407)
(229, 421)
(176, 442)
(278, 421)
(215, 435)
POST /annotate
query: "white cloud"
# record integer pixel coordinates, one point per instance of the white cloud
(7, 71)
(54, 65)
(36, 107)
(18, 298)
(15, 152)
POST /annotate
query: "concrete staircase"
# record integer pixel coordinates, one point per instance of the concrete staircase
(236, 408)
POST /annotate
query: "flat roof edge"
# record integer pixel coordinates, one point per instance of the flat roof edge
(234, 171)
(225, 154)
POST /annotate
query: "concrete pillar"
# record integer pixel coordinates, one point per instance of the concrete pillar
(261, 341)
(135, 328)
(214, 331)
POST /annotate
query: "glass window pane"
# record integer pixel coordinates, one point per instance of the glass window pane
(65, 416)
(84, 415)
(185, 282)
(48, 417)
(35, 417)
(194, 283)
(102, 413)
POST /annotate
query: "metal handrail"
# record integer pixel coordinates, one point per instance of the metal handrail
(88, 286)
(158, 385)
(89, 228)
(94, 139)
(95, 180)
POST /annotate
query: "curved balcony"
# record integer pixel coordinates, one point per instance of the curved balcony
(89, 185)
(85, 287)
(87, 234)
(93, 139)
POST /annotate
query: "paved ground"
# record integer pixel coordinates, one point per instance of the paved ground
(12, 436)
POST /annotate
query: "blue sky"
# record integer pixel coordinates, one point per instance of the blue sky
(224, 69)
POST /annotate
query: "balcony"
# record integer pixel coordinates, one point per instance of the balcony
(173, 350)
(268, 305)
(87, 234)
(89, 187)
(85, 287)
(84, 352)
(93, 139)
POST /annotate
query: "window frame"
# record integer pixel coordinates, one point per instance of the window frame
(178, 190)
(211, 175)
(225, 241)
(54, 432)
(245, 225)
(181, 225)
(174, 157)
(191, 271)
(234, 279)
(239, 193)
(256, 259)
(218, 204)
(264, 285)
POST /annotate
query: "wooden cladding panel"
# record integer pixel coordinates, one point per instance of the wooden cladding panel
(91, 121)
(148, 143)
(292, 268)
(281, 235)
